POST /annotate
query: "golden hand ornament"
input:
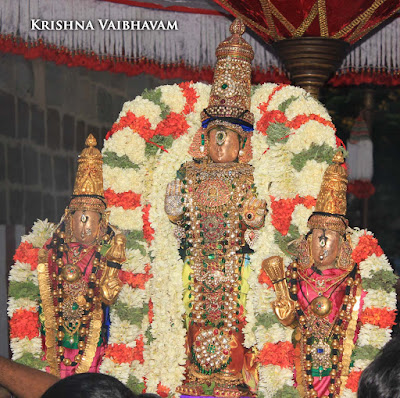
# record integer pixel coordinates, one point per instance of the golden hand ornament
(116, 252)
(283, 306)
(254, 212)
(173, 205)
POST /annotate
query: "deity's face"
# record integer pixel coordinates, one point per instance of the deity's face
(223, 144)
(325, 248)
(85, 226)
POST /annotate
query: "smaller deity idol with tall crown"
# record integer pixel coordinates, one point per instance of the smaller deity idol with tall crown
(320, 296)
(216, 212)
(78, 275)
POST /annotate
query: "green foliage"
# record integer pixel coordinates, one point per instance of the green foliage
(28, 359)
(277, 132)
(113, 160)
(266, 319)
(149, 335)
(285, 104)
(384, 280)
(319, 153)
(134, 239)
(23, 290)
(287, 392)
(134, 385)
(365, 352)
(208, 389)
(155, 96)
(160, 140)
(133, 315)
(283, 240)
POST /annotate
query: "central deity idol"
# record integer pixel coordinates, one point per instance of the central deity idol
(214, 206)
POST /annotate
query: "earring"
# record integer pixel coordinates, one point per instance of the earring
(345, 261)
(304, 253)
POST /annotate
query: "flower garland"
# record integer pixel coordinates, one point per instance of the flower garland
(293, 144)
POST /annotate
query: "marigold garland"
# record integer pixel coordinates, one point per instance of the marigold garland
(126, 200)
(280, 354)
(26, 253)
(148, 230)
(24, 323)
(353, 380)
(173, 125)
(382, 317)
(191, 97)
(367, 245)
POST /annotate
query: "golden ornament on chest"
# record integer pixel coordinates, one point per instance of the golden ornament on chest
(321, 306)
(71, 273)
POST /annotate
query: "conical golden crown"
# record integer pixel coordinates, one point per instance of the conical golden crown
(231, 89)
(332, 195)
(89, 177)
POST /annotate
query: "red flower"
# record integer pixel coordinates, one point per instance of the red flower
(280, 354)
(269, 117)
(151, 312)
(135, 280)
(191, 96)
(353, 379)
(126, 200)
(26, 253)
(140, 125)
(264, 278)
(24, 323)
(148, 231)
(120, 353)
(174, 124)
(367, 245)
(162, 391)
(382, 317)
(299, 120)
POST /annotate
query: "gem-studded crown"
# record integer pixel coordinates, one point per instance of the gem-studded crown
(231, 89)
(88, 191)
(330, 209)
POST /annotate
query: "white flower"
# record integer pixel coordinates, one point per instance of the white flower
(203, 90)
(135, 262)
(308, 180)
(123, 180)
(19, 347)
(132, 297)
(117, 370)
(347, 393)
(172, 96)
(22, 303)
(307, 105)
(380, 299)
(143, 107)
(21, 272)
(287, 92)
(122, 331)
(277, 333)
(126, 219)
(311, 132)
(374, 263)
(361, 364)
(126, 142)
(300, 216)
(373, 335)
(273, 378)
(41, 231)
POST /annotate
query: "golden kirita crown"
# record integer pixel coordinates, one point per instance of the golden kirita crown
(88, 191)
(331, 206)
(231, 89)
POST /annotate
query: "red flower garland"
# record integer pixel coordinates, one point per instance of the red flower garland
(282, 211)
(382, 317)
(120, 353)
(361, 189)
(280, 354)
(24, 323)
(264, 278)
(174, 124)
(353, 379)
(140, 125)
(151, 312)
(367, 245)
(162, 391)
(127, 200)
(269, 117)
(136, 280)
(26, 253)
(148, 231)
(191, 97)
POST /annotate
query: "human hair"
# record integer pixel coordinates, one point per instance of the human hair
(89, 385)
(381, 379)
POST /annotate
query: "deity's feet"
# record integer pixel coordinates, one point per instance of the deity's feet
(227, 391)
(191, 388)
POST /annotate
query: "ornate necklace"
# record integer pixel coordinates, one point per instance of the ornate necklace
(322, 344)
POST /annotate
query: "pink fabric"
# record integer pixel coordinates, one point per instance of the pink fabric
(336, 296)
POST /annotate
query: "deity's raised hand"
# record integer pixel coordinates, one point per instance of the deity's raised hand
(173, 204)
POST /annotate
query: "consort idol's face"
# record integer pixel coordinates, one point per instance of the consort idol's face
(85, 226)
(325, 248)
(223, 144)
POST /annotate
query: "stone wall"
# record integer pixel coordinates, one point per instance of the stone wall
(46, 112)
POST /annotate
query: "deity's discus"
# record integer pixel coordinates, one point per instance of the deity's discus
(321, 306)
